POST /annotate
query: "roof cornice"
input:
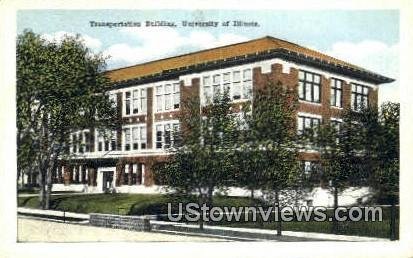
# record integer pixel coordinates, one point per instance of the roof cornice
(281, 53)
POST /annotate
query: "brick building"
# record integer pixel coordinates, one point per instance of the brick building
(148, 98)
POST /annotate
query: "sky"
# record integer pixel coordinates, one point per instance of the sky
(368, 38)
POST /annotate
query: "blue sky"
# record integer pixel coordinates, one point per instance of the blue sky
(367, 38)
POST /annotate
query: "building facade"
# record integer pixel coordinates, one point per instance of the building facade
(148, 98)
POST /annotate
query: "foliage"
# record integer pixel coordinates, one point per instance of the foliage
(60, 88)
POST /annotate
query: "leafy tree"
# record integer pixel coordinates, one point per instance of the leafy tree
(61, 87)
(274, 131)
(203, 163)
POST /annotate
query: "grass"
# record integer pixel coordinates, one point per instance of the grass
(124, 204)
(153, 204)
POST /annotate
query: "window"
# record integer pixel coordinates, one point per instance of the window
(127, 139)
(143, 102)
(307, 123)
(74, 143)
(359, 96)
(177, 95)
(133, 137)
(309, 86)
(336, 98)
(106, 140)
(237, 83)
(207, 89)
(138, 102)
(159, 98)
(127, 103)
(167, 97)
(247, 84)
(166, 135)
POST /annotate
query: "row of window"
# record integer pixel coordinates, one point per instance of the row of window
(309, 89)
(237, 83)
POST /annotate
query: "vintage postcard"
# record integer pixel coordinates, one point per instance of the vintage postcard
(211, 124)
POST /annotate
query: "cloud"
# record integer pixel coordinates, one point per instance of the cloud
(375, 56)
(93, 43)
(153, 43)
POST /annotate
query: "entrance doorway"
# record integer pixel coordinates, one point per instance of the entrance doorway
(107, 181)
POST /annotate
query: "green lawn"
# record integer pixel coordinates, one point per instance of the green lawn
(140, 204)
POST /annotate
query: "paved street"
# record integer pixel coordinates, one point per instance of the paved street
(33, 230)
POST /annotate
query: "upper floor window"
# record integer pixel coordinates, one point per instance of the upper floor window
(308, 123)
(309, 86)
(167, 97)
(81, 141)
(167, 135)
(238, 83)
(135, 102)
(336, 93)
(134, 137)
(359, 96)
(106, 141)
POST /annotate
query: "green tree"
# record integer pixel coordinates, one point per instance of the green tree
(61, 87)
(274, 132)
(203, 162)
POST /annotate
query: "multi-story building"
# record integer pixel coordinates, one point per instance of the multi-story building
(149, 96)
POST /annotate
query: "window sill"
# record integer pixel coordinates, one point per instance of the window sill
(335, 107)
(309, 102)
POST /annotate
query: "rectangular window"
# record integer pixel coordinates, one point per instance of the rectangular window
(81, 144)
(136, 100)
(159, 136)
(87, 141)
(309, 86)
(143, 138)
(216, 87)
(74, 143)
(135, 138)
(177, 95)
(166, 135)
(143, 102)
(159, 98)
(226, 77)
(247, 84)
(307, 123)
(336, 98)
(127, 139)
(359, 96)
(236, 83)
(207, 89)
(168, 96)
(127, 102)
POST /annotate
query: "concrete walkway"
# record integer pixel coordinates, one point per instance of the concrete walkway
(34, 230)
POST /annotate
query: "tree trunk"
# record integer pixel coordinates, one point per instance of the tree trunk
(335, 222)
(42, 190)
(279, 224)
(48, 187)
(393, 222)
